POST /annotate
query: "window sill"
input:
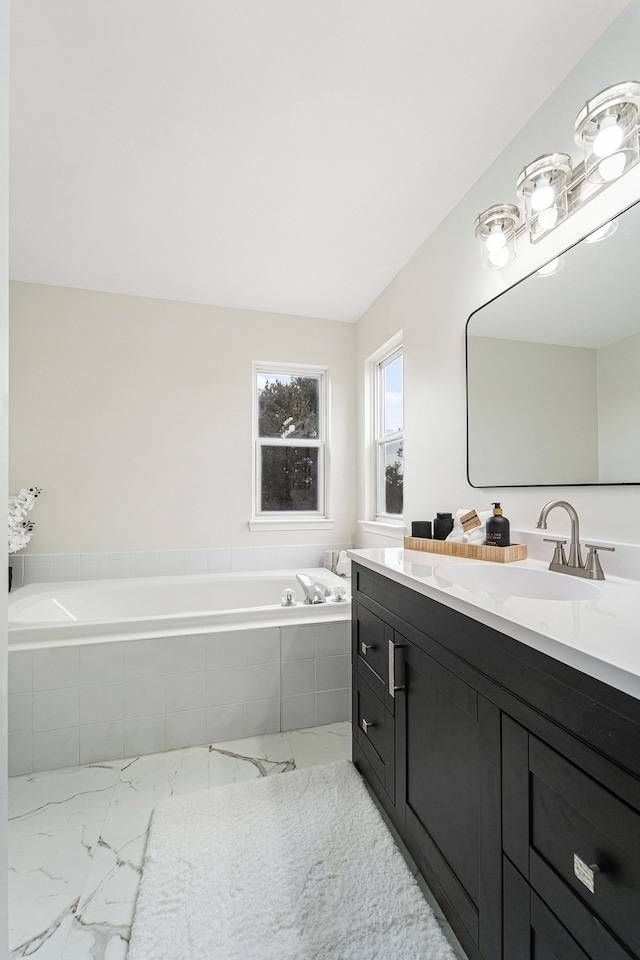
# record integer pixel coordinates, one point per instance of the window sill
(295, 523)
(396, 531)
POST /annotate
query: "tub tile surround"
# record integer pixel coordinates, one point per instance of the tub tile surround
(100, 702)
(61, 567)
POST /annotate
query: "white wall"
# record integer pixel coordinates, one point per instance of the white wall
(433, 295)
(4, 400)
(134, 416)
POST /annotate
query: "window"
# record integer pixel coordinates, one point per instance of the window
(290, 437)
(388, 433)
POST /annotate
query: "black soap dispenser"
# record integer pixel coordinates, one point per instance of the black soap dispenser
(498, 529)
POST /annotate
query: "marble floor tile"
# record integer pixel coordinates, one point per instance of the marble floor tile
(250, 758)
(144, 781)
(321, 744)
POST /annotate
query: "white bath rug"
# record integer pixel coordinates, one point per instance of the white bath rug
(298, 866)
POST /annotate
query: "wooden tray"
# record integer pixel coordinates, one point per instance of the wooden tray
(473, 551)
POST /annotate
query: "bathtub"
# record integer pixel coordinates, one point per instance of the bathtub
(105, 669)
(164, 606)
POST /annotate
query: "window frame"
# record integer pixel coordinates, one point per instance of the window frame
(389, 524)
(292, 519)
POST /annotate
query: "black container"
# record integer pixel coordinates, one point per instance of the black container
(498, 534)
(421, 528)
(442, 526)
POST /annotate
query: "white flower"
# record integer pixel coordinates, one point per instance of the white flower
(19, 527)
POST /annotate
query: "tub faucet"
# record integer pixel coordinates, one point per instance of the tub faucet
(313, 592)
(575, 564)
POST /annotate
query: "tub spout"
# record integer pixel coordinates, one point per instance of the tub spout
(313, 591)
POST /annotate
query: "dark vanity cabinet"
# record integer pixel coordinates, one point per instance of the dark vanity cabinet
(512, 779)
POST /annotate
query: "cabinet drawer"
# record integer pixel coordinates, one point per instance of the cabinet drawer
(374, 730)
(576, 841)
(371, 636)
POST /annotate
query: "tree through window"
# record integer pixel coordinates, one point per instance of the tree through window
(290, 441)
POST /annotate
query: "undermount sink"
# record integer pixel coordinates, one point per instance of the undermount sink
(507, 581)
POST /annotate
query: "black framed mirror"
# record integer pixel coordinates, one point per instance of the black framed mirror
(553, 371)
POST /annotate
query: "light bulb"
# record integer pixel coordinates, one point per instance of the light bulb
(612, 167)
(496, 240)
(608, 138)
(543, 195)
(548, 218)
(499, 258)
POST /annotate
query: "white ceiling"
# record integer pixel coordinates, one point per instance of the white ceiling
(279, 155)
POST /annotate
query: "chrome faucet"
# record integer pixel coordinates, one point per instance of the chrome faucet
(575, 564)
(313, 592)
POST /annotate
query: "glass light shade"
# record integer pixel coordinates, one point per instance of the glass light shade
(543, 186)
(496, 228)
(607, 130)
(554, 266)
(602, 232)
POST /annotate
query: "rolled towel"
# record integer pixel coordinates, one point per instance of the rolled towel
(343, 566)
(477, 534)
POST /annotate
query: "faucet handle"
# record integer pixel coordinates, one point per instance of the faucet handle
(595, 571)
(559, 556)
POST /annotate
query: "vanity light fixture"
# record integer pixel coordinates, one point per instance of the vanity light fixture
(602, 232)
(543, 186)
(496, 229)
(607, 129)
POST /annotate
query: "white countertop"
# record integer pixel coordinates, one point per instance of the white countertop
(598, 636)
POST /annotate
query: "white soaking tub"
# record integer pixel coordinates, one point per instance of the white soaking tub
(165, 606)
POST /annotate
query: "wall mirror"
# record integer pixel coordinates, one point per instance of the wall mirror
(553, 371)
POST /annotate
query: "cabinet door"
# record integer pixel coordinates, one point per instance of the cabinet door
(447, 791)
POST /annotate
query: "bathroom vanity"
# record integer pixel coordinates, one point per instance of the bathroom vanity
(501, 734)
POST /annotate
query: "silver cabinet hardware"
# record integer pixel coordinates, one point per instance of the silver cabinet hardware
(365, 725)
(392, 668)
(365, 647)
(586, 873)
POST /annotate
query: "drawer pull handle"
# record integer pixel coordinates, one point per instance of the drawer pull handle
(393, 686)
(364, 647)
(366, 725)
(586, 873)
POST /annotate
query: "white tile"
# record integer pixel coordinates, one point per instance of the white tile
(264, 558)
(56, 667)
(333, 639)
(195, 561)
(298, 712)
(46, 877)
(186, 729)
(186, 654)
(120, 569)
(298, 677)
(101, 702)
(53, 709)
(146, 563)
(323, 744)
(219, 561)
(144, 697)
(62, 798)
(186, 691)
(92, 569)
(53, 749)
(171, 563)
(298, 642)
(144, 735)
(145, 780)
(225, 722)
(101, 741)
(38, 572)
(20, 713)
(20, 750)
(262, 682)
(20, 664)
(261, 716)
(241, 559)
(286, 558)
(332, 673)
(101, 662)
(333, 706)
(225, 649)
(225, 686)
(145, 658)
(66, 569)
(249, 758)
(310, 555)
(263, 646)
